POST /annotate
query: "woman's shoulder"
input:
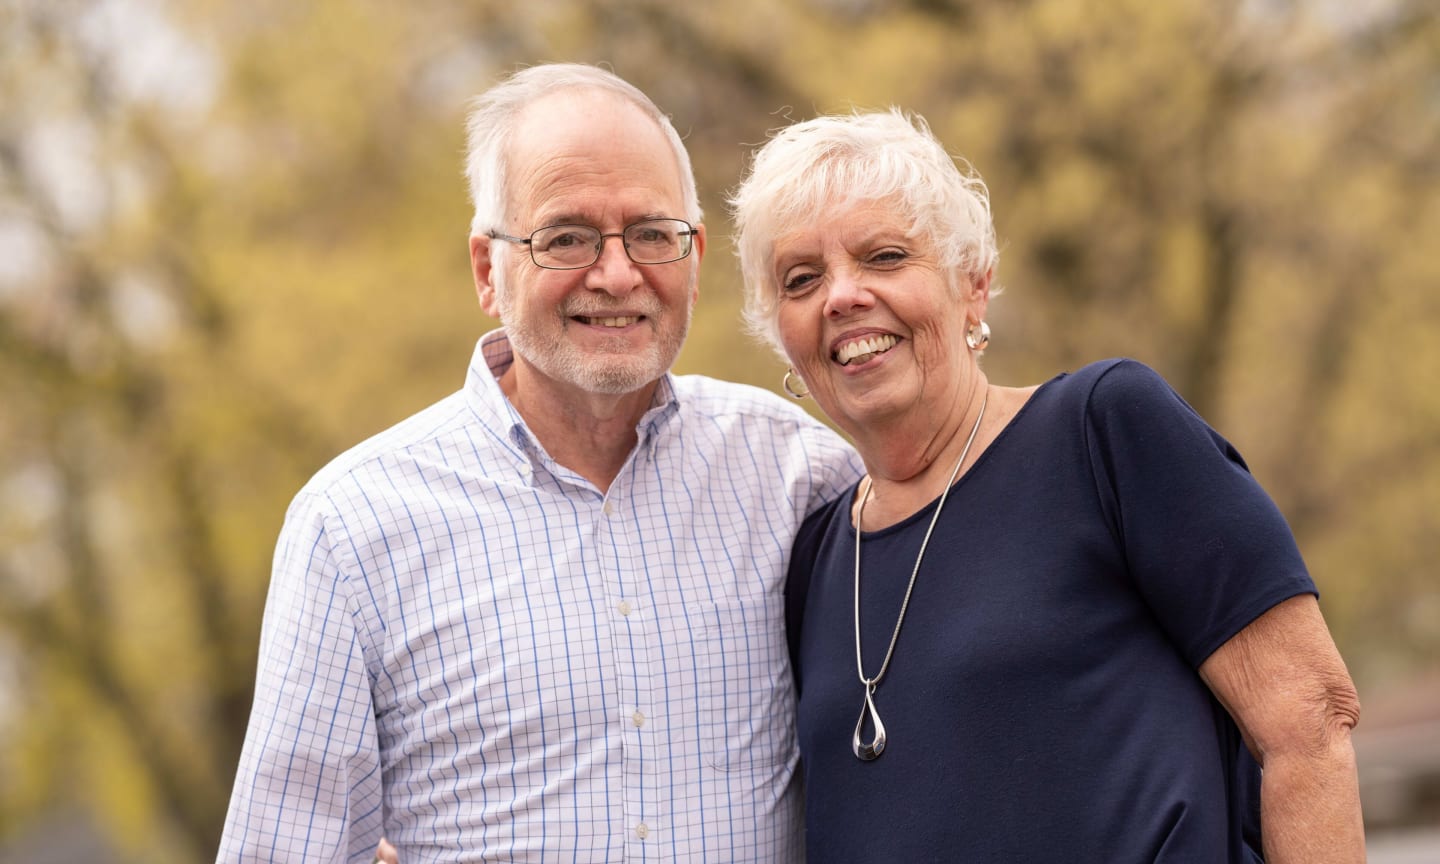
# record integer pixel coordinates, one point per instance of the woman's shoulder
(1116, 382)
(1115, 394)
(827, 524)
(825, 518)
(1115, 371)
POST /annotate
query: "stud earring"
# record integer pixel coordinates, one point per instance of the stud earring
(788, 384)
(978, 336)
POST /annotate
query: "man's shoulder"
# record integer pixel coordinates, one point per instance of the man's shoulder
(762, 436)
(712, 397)
(421, 430)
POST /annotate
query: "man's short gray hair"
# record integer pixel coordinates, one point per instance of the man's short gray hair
(494, 116)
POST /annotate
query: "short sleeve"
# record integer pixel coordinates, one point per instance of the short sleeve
(1206, 547)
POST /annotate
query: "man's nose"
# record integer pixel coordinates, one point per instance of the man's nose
(613, 272)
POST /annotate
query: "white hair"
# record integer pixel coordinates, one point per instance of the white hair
(494, 116)
(836, 161)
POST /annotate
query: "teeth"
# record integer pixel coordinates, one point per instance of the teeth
(865, 348)
(612, 321)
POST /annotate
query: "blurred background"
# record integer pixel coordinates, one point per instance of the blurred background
(233, 243)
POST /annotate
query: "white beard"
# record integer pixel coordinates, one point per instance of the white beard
(611, 372)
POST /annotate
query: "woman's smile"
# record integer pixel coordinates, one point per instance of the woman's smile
(859, 351)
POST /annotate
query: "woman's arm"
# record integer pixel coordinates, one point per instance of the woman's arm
(1283, 681)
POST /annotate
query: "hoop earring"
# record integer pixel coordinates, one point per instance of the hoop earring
(788, 385)
(978, 336)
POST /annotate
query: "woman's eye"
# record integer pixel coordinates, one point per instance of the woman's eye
(798, 283)
(888, 256)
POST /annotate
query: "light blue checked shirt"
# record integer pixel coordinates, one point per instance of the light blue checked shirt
(471, 649)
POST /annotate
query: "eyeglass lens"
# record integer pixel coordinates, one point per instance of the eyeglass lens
(653, 241)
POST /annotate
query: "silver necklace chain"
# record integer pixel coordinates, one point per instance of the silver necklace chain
(863, 751)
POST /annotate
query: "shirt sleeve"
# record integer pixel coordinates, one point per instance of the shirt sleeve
(1207, 548)
(834, 465)
(308, 786)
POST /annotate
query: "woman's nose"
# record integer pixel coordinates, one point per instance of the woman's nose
(845, 292)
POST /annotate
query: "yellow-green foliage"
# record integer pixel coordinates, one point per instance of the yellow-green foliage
(205, 296)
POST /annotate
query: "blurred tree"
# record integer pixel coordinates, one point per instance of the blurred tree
(232, 242)
(122, 566)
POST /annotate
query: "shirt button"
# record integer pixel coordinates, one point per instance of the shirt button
(608, 509)
(642, 830)
(623, 608)
(638, 718)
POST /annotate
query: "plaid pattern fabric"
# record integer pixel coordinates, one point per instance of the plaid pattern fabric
(472, 650)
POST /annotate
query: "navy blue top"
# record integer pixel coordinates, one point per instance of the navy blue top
(1043, 702)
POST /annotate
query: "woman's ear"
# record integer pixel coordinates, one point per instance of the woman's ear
(977, 294)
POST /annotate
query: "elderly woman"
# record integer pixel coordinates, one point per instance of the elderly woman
(1053, 623)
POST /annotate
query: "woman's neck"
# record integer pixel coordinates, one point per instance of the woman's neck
(909, 463)
(904, 476)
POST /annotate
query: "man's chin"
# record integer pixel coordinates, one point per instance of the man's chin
(618, 380)
(605, 372)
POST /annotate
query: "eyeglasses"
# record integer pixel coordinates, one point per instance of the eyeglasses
(573, 247)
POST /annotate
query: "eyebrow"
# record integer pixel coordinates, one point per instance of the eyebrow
(880, 237)
(570, 217)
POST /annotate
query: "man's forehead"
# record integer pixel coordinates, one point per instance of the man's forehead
(578, 153)
(584, 125)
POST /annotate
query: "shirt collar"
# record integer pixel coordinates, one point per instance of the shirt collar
(494, 356)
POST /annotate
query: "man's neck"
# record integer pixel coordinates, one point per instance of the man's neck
(592, 434)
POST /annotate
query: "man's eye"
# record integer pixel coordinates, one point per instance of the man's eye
(566, 240)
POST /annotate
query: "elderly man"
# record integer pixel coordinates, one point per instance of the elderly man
(542, 619)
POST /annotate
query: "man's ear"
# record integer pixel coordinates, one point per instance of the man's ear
(482, 267)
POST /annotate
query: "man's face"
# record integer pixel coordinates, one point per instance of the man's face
(614, 327)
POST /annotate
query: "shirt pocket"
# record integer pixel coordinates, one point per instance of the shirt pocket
(746, 694)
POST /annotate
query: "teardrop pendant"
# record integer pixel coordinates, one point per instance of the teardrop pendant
(866, 752)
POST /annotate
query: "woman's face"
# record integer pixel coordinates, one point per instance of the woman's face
(869, 320)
